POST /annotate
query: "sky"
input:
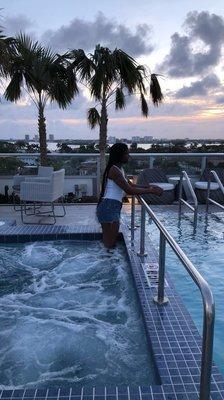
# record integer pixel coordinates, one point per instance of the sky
(183, 41)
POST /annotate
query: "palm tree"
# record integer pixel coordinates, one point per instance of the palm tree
(6, 51)
(45, 76)
(108, 76)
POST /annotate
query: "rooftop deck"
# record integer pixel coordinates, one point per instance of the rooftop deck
(84, 214)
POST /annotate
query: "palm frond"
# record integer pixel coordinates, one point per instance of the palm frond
(13, 90)
(119, 99)
(93, 117)
(155, 90)
(144, 106)
(42, 71)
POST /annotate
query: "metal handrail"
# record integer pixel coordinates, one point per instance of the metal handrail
(209, 200)
(184, 176)
(206, 293)
(156, 155)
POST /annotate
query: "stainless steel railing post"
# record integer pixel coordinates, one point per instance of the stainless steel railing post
(132, 218)
(207, 348)
(193, 195)
(98, 176)
(180, 194)
(160, 298)
(142, 252)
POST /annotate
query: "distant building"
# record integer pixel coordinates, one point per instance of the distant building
(124, 140)
(147, 139)
(36, 138)
(51, 136)
(112, 139)
(27, 138)
(136, 139)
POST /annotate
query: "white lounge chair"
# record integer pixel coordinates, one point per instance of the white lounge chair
(201, 186)
(42, 191)
(43, 174)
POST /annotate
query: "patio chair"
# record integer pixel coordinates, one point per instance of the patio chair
(39, 193)
(44, 173)
(201, 186)
(157, 177)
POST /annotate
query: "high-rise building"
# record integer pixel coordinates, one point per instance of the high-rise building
(36, 138)
(27, 138)
(51, 136)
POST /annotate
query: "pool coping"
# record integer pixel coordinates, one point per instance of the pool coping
(173, 336)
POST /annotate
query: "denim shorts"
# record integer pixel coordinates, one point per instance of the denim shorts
(109, 210)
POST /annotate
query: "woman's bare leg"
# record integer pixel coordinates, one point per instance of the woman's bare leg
(110, 233)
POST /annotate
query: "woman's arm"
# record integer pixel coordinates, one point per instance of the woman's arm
(119, 179)
(137, 186)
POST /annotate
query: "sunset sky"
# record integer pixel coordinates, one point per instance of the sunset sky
(182, 40)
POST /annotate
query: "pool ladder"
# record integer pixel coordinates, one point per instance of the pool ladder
(161, 299)
(209, 200)
(184, 177)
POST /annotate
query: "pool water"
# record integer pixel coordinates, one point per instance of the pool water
(205, 248)
(70, 316)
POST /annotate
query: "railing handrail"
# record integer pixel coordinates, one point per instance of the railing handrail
(98, 154)
(214, 173)
(208, 199)
(207, 297)
(194, 208)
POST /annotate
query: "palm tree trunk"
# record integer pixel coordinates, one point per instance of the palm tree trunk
(42, 134)
(103, 137)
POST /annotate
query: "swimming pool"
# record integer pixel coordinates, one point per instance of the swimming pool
(205, 248)
(69, 314)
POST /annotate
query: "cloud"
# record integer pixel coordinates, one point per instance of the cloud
(13, 25)
(183, 60)
(220, 100)
(199, 88)
(84, 34)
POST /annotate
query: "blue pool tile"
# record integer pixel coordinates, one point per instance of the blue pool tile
(6, 394)
(111, 391)
(100, 390)
(23, 238)
(50, 236)
(29, 393)
(64, 391)
(147, 396)
(216, 396)
(122, 390)
(10, 239)
(18, 393)
(31, 398)
(53, 392)
(158, 396)
(110, 397)
(41, 393)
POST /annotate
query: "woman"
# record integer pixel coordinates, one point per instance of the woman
(114, 185)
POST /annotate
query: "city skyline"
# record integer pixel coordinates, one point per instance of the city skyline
(186, 48)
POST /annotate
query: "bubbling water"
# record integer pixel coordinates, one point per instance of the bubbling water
(69, 315)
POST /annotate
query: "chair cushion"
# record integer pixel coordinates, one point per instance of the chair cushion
(165, 186)
(204, 185)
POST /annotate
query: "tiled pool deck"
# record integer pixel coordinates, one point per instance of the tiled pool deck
(175, 340)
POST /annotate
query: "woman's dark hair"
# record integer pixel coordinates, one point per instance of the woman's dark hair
(117, 152)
